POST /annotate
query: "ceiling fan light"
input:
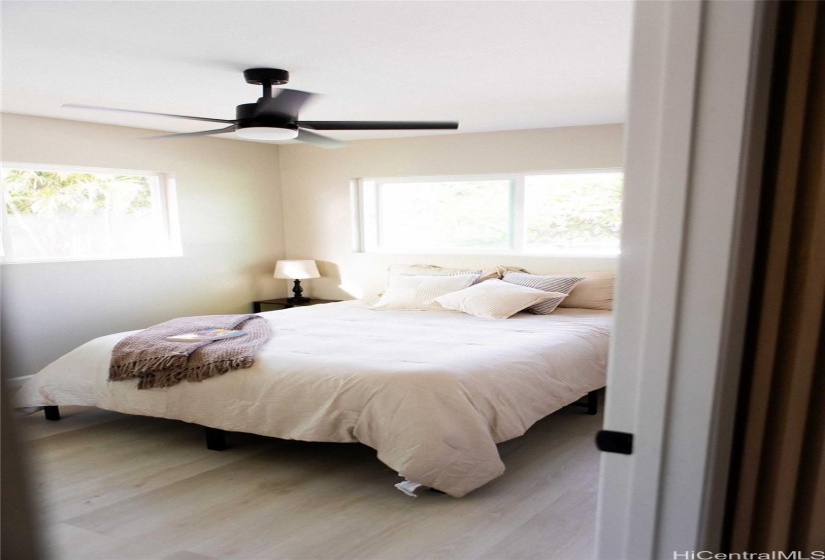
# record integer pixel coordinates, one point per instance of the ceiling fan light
(266, 133)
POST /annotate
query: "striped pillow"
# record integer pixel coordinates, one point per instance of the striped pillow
(561, 284)
(494, 299)
(417, 292)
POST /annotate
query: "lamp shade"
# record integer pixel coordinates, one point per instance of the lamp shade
(296, 270)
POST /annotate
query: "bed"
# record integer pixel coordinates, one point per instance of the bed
(432, 392)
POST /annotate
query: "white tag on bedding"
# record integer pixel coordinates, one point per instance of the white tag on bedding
(408, 487)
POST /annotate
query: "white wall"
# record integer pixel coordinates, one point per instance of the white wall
(317, 194)
(231, 228)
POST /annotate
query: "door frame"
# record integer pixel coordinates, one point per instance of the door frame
(693, 144)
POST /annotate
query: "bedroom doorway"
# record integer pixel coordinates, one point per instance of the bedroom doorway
(695, 67)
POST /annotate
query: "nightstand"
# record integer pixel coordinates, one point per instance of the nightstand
(282, 303)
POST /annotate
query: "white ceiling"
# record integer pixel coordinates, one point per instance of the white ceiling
(492, 65)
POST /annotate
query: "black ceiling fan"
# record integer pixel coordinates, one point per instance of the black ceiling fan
(276, 118)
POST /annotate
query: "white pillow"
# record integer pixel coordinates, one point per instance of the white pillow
(417, 292)
(495, 299)
(560, 284)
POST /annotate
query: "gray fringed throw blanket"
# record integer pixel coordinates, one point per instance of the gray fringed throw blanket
(157, 362)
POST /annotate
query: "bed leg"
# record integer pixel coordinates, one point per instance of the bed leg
(51, 413)
(215, 439)
(593, 402)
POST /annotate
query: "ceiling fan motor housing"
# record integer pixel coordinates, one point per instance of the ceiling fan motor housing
(245, 116)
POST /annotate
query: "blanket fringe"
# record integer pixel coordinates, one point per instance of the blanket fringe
(161, 379)
(131, 370)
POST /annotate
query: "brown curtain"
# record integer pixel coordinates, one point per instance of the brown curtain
(777, 498)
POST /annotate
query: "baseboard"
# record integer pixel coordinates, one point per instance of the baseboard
(15, 382)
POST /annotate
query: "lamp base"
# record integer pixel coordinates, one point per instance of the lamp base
(298, 298)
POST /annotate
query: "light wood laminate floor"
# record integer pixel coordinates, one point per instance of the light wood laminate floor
(112, 486)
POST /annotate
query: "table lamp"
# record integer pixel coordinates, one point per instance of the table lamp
(296, 270)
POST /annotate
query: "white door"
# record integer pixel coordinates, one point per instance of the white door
(698, 79)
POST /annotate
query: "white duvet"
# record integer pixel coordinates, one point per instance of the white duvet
(431, 391)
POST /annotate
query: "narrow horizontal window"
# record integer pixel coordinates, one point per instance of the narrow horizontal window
(56, 213)
(560, 213)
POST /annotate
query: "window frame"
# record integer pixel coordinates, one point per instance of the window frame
(366, 215)
(164, 198)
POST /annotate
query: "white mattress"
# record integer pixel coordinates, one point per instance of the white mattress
(431, 391)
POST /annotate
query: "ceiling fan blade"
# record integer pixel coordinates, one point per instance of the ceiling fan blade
(287, 103)
(230, 128)
(377, 125)
(318, 139)
(75, 106)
